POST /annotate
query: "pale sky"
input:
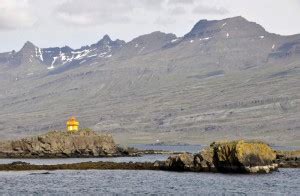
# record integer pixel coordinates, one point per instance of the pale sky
(51, 23)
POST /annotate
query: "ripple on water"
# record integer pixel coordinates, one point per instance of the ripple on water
(148, 182)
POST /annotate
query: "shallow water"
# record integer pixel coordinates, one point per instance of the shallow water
(177, 148)
(285, 182)
(146, 158)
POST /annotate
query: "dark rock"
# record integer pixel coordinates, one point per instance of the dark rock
(181, 162)
(288, 159)
(204, 161)
(43, 173)
(19, 163)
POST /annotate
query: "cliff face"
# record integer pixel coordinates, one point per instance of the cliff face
(61, 144)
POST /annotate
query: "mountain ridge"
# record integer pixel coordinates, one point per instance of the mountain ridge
(204, 29)
(222, 81)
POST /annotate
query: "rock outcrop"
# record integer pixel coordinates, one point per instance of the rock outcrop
(244, 156)
(288, 159)
(181, 162)
(204, 161)
(62, 144)
(234, 156)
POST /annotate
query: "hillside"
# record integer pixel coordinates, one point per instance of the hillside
(225, 79)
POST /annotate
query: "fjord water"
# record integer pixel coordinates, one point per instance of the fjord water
(98, 182)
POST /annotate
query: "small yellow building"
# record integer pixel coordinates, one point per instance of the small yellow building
(72, 125)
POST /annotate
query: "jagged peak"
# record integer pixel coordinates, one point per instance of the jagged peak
(28, 43)
(106, 38)
(28, 46)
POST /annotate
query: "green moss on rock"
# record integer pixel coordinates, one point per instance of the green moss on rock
(231, 156)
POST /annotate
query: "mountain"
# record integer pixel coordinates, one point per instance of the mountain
(225, 79)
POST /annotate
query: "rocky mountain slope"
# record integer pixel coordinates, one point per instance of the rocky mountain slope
(224, 79)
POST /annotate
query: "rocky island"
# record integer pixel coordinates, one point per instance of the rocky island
(58, 144)
(227, 157)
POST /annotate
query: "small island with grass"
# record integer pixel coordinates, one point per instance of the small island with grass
(60, 144)
(240, 156)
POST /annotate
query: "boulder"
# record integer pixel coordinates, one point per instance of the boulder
(229, 156)
(203, 161)
(243, 156)
(181, 162)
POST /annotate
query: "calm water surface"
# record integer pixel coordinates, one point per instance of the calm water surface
(97, 182)
(121, 182)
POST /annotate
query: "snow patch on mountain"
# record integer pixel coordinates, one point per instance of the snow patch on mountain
(51, 67)
(174, 40)
(82, 61)
(205, 38)
(39, 54)
(52, 64)
(93, 55)
(273, 46)
(81, 54)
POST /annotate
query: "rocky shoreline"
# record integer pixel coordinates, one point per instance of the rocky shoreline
(224, 157)
(23, 166)
(288, 159)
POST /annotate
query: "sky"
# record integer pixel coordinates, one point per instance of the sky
(76, 23)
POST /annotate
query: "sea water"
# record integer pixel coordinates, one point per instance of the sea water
(127, 182)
